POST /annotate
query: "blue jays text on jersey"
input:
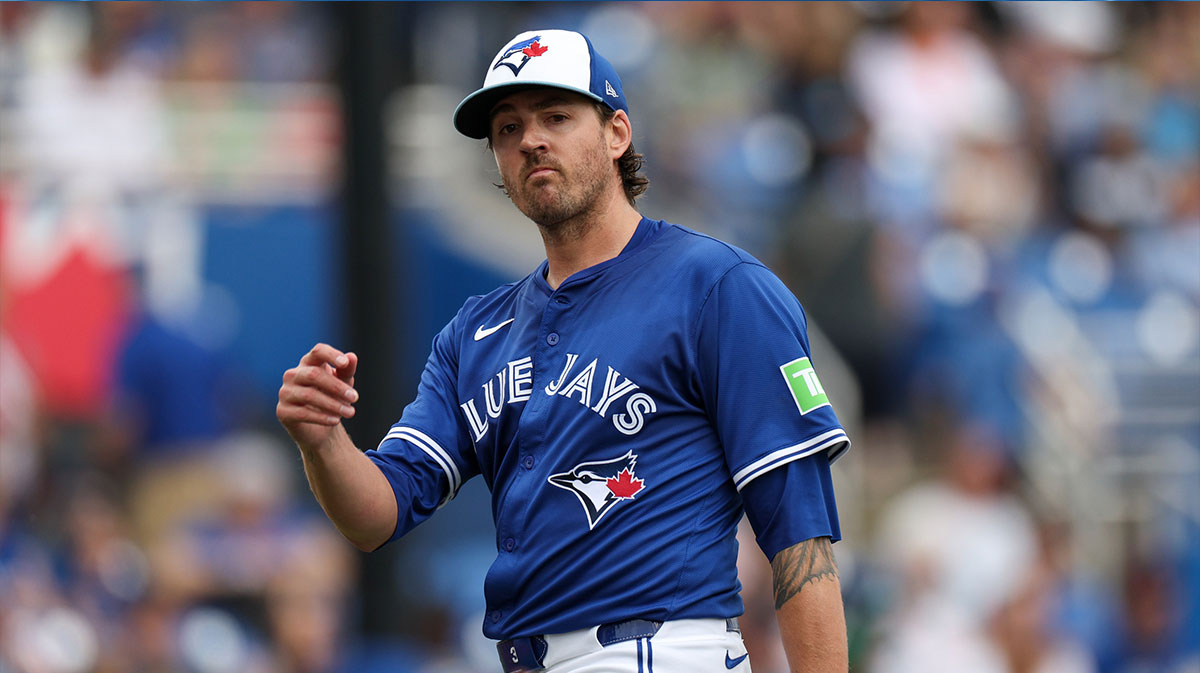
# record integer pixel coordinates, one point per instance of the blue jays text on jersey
(519, 374)
(615, 420)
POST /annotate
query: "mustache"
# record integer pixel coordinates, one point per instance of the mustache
(534, 163)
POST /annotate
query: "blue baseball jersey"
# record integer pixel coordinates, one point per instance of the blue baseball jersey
(616, 420)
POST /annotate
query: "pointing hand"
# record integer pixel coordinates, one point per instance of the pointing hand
(316, 395)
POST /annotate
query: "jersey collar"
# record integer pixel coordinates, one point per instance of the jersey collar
(647, 230)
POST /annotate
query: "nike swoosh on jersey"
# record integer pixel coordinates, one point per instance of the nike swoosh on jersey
(483, 333)
(732, 663)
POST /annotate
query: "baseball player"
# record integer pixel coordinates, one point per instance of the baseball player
(625, 402)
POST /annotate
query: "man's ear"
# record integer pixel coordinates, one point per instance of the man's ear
(619, 134)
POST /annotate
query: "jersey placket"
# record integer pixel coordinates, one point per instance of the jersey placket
(517, 506)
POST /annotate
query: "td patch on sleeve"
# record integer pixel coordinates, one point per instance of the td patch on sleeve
(804, 384)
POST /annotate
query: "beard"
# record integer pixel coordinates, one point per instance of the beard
(559, 203)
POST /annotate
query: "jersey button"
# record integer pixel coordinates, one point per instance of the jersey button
(552, 338)
(562, 300)
(494, 616)
(509, 544)
(527, 462)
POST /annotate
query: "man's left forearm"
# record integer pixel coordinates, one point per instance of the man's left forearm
(808, 604)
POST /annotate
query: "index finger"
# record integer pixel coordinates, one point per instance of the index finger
(324, 354)
(346, 373)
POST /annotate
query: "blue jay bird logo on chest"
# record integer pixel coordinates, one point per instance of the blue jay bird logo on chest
(601, 484)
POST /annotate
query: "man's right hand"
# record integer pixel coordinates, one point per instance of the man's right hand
(316, 395)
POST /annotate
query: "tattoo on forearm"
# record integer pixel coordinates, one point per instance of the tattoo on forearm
(800, 564)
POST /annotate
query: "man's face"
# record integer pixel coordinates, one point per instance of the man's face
(552, 152)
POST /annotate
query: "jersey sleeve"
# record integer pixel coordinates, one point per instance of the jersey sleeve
(426, 455)
(793, 503)
(757, 377)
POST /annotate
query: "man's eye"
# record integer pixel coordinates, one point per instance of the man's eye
(506, 129)
(558, 118)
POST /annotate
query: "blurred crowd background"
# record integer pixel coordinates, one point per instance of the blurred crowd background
(990, 211)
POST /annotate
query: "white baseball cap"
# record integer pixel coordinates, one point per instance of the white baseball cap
(562, 59)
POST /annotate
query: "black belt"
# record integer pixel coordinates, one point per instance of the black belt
(526, 654)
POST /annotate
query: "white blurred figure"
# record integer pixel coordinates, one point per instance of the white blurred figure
(924, 86)
(1024, 638)
(92, 122)
(944, 149)
(91, 150)
(959, 546)
(930, 637)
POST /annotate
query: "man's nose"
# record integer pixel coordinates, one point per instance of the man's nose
(533, 138)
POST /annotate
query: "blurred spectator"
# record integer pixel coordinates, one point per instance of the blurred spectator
(1024, 635)
(90, 139)
(92, 125)
(255, 42)
(282, 42)
(233, 544)
(922, 88)
(102, 572)
(958, 546)
(932, 638)
(308, 600)
(261, 572)
(171, 409)
(1154, 635)
(19, 418)
(1164, 257)
(722, 157)
(171, 393)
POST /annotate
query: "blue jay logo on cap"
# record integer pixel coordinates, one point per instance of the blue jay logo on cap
(527, 49)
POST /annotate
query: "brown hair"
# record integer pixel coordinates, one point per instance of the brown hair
(630, 163)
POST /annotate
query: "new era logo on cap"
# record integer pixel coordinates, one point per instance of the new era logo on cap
(561, 59)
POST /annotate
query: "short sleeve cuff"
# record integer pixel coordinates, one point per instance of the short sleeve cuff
(834, 441)
(434, 450)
